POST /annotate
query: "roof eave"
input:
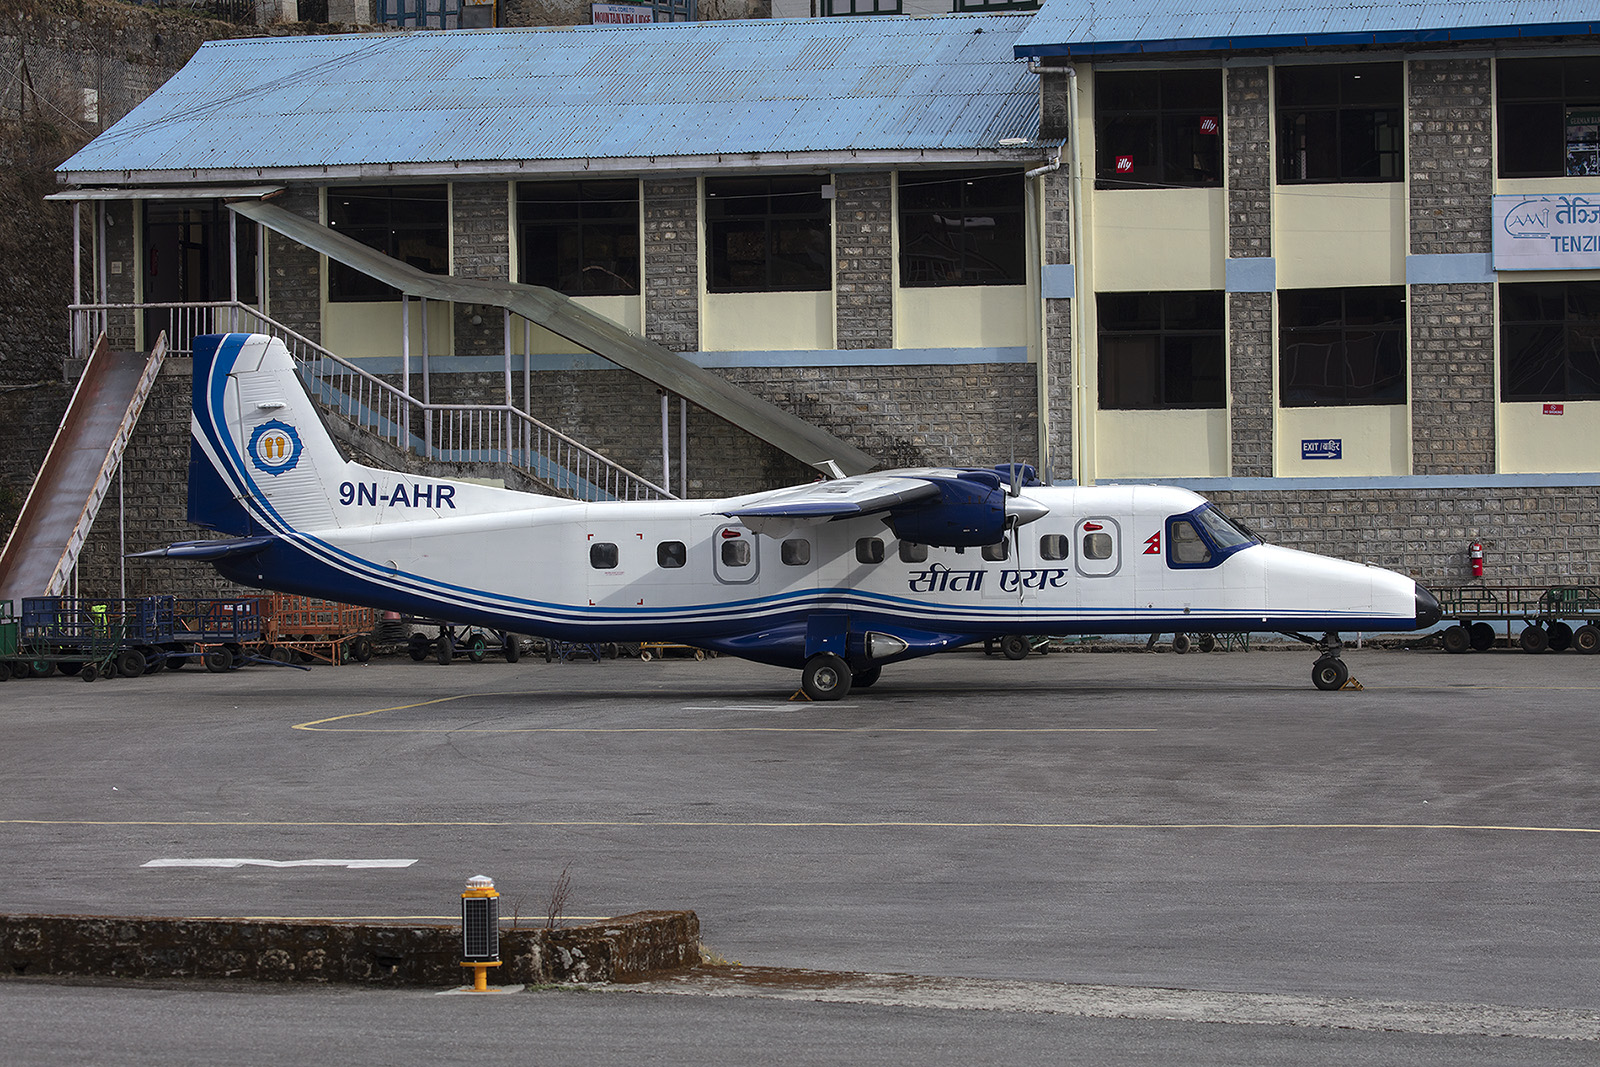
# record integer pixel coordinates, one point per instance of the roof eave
(508, 170)
(1271, 42)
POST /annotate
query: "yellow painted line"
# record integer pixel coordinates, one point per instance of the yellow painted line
(317, 726)
(885, 824)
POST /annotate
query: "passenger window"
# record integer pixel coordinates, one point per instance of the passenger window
(795, 552)
(602, 556)
(911, 552)
(869, 550)
(736, 553)
(1183, 540)
(997, 552)
(1054, 546)
(1098, 545)
(671, 554)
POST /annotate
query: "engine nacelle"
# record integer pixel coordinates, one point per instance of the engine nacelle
(970, 513)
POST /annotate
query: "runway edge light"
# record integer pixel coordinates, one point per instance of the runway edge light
(480, 929)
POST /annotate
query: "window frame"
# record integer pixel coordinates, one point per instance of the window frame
(1567, 325)
(732, 206)
(1347, 393)
(1167, 338)
(1174, 113)
(1346, 112)
(346, 285)
(1519, 116)
(591, 217)
(916, 200)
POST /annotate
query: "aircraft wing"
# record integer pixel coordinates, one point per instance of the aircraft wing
(842, 499)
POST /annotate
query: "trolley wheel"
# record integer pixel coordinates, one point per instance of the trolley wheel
(1482, 635)
(1014, 646)
(825, 677)
(445, 649)
(1207, 643)
(361, 649)
(646, 655)
(177, 657)
(218, 660)
(1560, 636)
(1456, 639)
(477, 648)
(1586, 639)
(68, 667)
(130, 663)
(1533, 639)
(699, 655)
(39, 668)
(1329, 673)
(1181, 643)
(281, 655)
(510, 648)
(88, 672)
(418, 647)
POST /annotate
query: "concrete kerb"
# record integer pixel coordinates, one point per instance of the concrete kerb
(628, 948)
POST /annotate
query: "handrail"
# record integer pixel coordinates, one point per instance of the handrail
(478, 433)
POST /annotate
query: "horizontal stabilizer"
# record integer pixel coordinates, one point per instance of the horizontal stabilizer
(207, 551)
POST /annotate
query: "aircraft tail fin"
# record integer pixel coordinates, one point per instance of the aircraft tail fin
(261, 461)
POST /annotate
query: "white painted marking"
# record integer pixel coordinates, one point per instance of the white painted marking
(354, 865)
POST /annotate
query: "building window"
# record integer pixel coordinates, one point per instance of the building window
(1342, 346)
(961, 228)
(834, 8)
(1161, 350)
(1549, 116)
(410, 223)
(579, 238)
(1342, 122)
(1550, 341)
(768, 235)
(1158, 129)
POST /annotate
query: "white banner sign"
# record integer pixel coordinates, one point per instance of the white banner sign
(621, 14)
(1547, 232)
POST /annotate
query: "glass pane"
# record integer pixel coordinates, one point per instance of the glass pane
(1532, 139)
(1129, 372)
(1533, 302)
(1523, 79)
(911, 552)
(1129, 89)
(671, 554)
(1370, 83)
(997, 552)
(1532, 362)
(1127, 148)
(796, 552)
(1186, 544)
(1308, 86)
(1054, 546)
(736, 553)
(602, 556)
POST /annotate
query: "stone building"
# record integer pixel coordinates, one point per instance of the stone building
(1261, 262)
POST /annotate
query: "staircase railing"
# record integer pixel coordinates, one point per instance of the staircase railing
(462, 433)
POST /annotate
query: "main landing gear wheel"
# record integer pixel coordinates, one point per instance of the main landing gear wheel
(825, 677)
(1014, 646)
(1329, 673)
(863, 679)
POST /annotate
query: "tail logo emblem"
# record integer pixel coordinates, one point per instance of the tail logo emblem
(275, 447)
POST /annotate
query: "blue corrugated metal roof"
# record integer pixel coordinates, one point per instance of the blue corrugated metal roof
(761, 86)
(1083, 28)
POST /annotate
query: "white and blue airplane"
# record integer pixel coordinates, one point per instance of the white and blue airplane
(837, 579)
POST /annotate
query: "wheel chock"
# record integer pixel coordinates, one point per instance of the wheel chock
(1351, 683)
(799, 694)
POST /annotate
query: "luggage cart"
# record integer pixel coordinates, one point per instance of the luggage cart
(306, 629)
(1553, 618)
(476, 642)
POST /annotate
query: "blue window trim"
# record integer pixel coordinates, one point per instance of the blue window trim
(1217, 554)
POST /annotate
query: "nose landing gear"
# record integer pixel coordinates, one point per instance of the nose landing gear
(1329, 672)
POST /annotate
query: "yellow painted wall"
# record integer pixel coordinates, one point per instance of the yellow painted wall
(962, 316)
(625, 311)
(1532, 442)
(1352, 234)
(1161, 444)
(765, 322)
(1375, 441)
(373, 329)
(1159, 239)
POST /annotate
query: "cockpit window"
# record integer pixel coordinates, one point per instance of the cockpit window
(1204, 538)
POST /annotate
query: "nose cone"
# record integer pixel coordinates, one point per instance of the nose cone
(1428, 610)
(1021, 511)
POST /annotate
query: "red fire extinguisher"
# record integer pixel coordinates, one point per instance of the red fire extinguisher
(1476, 553)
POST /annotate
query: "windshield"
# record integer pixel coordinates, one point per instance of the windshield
(1223, 532)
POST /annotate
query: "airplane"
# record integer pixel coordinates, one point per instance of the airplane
(838, 579)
